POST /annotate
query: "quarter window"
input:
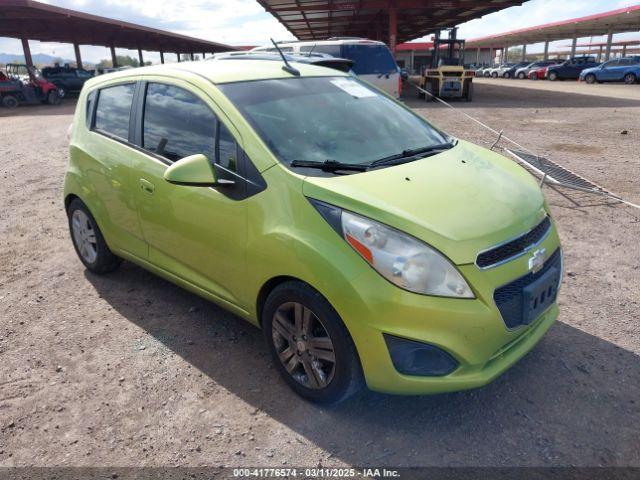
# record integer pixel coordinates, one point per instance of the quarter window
(113, 110)
(177, 123)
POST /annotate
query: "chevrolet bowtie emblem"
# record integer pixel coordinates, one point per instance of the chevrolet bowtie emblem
(536, 262)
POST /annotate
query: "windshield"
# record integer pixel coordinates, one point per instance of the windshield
(370, 59)
(329, 118)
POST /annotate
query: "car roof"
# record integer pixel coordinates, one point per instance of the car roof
(224, 72)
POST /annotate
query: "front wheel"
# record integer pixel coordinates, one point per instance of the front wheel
(506, 75)
(534, 76)
(522, 76)
(630, 79)
(9, 101)
(494, 75)
(310, 345)
(553, 76)
(88, 240)
(590, 79)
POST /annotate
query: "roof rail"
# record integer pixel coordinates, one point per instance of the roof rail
(347, 38)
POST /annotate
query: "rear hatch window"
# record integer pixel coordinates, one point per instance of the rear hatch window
(370, 59)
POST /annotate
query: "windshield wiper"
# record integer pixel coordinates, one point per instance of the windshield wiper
(330, 165)
(409, 155)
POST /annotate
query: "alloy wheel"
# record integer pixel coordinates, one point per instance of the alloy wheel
(84, 236)
(630, 79)
(303, 345)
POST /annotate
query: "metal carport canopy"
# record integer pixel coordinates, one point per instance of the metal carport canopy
(320, 19)
(26, 19)
(616, 21)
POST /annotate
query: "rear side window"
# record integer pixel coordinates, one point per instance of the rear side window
(333, 50)
(370, 59)
(113, 110)
(177, 123)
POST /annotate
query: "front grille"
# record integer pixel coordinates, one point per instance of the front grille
(515, 247)
(509, 298)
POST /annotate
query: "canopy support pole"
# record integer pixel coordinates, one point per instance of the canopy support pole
(76, 49)
(27, 52)
(114, 59)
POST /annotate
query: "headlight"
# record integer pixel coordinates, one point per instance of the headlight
(400, 258)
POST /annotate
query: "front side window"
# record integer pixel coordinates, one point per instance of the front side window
(177, 123)
(329, 118)
(113, 110)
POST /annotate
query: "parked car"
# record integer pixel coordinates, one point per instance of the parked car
(571, 69)
(66, 78)
(523, 72)
(25, 85)
(625, 70)
(498, 71)
(320, 59)
(511, 72)
(296, 199)
(538, 73)
(372, 60)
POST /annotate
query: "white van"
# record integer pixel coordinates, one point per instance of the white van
(373, 61)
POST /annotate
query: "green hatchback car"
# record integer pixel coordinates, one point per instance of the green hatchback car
(369, 246)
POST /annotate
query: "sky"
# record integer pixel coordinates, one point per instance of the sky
(245, 22)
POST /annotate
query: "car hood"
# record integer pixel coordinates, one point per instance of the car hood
(589, 70)
(460, 201)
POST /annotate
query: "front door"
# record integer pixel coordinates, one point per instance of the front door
(195, 233)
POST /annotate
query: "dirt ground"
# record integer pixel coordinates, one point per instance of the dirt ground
(127, 369)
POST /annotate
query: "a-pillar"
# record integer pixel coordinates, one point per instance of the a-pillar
(114, 60)
(393, 25)
(607, 54)
(27, 52)
(76, 49)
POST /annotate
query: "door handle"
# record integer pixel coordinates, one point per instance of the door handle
(146, 186)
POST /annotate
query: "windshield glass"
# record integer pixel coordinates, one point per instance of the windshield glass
(370, 59)
(329, 118)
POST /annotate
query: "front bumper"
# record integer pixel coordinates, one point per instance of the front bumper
(471, 331)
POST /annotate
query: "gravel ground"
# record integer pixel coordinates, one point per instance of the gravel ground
(127, 369)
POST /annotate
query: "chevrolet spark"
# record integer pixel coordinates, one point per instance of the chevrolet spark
(370, 247)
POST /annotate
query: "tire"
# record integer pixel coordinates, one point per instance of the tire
(506, 75)
(327, 382)
(10, 101)
(553, 76)
(522, 76)
(469, 95)
(53, 98)
(630, 78)
(590, 79)
(534, 76)
(94, 253)
(494, 75)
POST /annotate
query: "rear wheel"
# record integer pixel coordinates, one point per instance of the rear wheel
(88, 240)
(630, 78)
(590, 79)
(9, 101)
(53, 98)
(310, 345)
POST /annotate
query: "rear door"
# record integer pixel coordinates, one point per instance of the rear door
(197, 234)
(106, 160)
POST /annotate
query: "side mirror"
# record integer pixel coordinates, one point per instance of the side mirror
(194, 171)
